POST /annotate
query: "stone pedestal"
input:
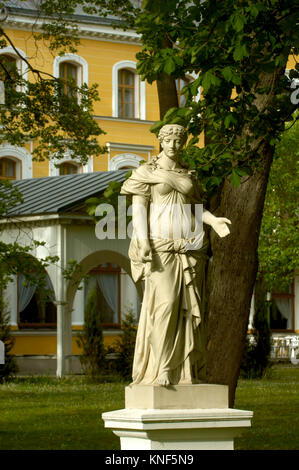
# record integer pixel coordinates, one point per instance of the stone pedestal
(181, 417)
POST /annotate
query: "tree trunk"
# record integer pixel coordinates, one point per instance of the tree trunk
(167, 93)
(232, 275)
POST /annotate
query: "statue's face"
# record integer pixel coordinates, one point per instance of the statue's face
(171, 145)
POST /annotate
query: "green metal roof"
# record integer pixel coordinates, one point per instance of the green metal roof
(57, 194)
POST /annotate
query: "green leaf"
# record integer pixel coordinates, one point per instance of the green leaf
(169, 66)
(229, 120)
(207, 80)
(171, 112)
(93, 200)
(227, 73)
(240, 52)
(235, 179)
(238, 21)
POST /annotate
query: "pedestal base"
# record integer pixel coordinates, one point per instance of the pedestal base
(182, 417)
(213, 429)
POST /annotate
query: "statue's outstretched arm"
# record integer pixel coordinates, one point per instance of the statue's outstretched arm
(219, 224)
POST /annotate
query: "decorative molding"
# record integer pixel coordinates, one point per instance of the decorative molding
(117, 119)
(126, 149)
(22, 157)
(124, 159)
(75, 59)
(133, 147)
(87, 29)
(54, 170)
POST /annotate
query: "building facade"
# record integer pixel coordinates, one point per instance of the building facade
(126, 111)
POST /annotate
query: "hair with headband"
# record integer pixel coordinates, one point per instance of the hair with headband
(172, 129)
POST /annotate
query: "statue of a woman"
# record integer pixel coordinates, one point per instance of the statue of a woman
(170, 257)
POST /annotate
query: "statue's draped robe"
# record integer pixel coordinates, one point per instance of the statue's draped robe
(170, 335)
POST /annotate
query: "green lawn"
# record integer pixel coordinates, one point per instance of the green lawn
(46, 413)
(274, 401)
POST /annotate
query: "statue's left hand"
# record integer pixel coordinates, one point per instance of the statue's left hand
(220, 226)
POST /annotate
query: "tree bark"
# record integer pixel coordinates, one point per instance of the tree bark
(167, 93)
(232, 274)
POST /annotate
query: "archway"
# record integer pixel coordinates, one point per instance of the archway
(91, 261)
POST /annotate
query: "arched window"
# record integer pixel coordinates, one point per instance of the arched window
(8, 75)
(17, 162)
(8, 168)
(70, 74)
(11, 67)
(128, 92)
(105, 281)
(180, 83)
(71, 67)
(36, 310)
(68, 168)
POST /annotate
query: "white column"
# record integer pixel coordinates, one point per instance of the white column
(251, 314)
(11, 301)
(78, 306)
(60, 302)
(60, 371)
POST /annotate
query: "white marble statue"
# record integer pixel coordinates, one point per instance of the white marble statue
(170, 346)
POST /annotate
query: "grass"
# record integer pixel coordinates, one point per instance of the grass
(46, 413)
(274, 401)
(42, 413)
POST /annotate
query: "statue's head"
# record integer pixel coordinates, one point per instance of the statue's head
(173, 129)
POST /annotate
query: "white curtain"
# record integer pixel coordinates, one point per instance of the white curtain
(284, 305)
(49, 286)
(26, 292)
(108, 283)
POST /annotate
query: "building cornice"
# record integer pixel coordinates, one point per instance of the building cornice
(89, 28)
(46, 219)
(118, 119)
(129, 147)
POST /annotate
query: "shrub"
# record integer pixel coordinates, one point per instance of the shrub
(125, 346)
(90, 339)
(9, 368)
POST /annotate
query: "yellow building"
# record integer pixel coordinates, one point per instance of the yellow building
(126, 110)
(45, 339)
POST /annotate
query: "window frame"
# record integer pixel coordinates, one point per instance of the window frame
(67, 162)
(113, 270)
(22, 158)
(140, 90)
(79, 62)
(122, 87)
(33, 325)
(20, 58)
(14, 59)
(8, 158)
(64, 66)
(285, 295)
